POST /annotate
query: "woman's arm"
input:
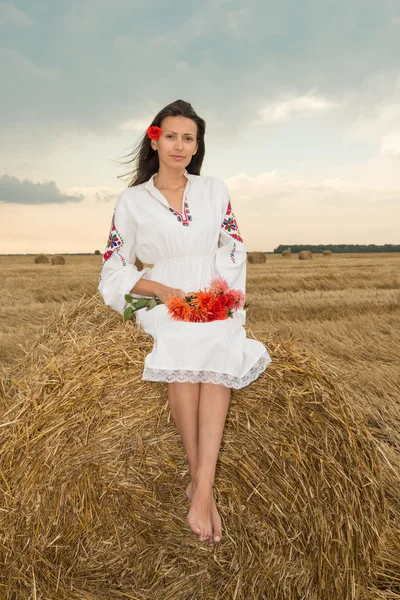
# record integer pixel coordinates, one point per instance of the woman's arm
(119, 274)
(231, 258)
(155, 288)
(144, 287)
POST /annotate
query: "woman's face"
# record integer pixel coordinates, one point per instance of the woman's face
(178, 138)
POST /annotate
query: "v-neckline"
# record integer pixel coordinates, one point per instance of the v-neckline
(152, 188)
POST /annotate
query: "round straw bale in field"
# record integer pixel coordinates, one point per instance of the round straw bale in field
(286, 254)
(57, 259)
(41, 258)
(93, 474)
(327, 253)
(305, 255)
(256, 258)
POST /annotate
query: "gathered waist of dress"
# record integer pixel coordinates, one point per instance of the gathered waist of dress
(202, 257)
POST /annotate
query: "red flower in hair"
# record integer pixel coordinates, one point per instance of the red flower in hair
(153, 132)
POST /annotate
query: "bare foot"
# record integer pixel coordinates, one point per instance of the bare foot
(215, 518)
(199, 515)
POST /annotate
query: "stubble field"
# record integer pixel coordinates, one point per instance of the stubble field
(344, 309)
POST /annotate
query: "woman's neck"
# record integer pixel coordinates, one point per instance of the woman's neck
(169, 179)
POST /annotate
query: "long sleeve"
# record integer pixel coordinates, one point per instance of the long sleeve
(231, 254)
(118, 274)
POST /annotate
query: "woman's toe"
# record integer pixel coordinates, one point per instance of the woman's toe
(195, 528)
(217, 534)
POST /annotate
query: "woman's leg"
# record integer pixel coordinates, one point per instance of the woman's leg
(183, 399)
(213, 408)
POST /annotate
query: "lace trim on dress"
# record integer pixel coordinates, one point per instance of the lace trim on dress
(169, 376)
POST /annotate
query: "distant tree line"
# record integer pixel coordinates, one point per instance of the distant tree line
(338, 248)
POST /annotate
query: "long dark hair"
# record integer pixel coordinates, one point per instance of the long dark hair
(145, 159)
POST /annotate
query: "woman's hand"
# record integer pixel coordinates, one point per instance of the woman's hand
(165, 293)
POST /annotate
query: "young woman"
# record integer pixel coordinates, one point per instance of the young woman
(183, 224)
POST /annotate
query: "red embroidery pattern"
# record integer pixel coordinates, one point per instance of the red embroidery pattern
(230, 225)
(114, 242)
(186, 217)
(232, 253)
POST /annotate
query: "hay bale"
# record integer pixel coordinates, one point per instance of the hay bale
(93, 474)
(327, 253)
(305, 255)
(286, 254)
(57, 259)
(139, 264)
(256, 258)
(41, 258)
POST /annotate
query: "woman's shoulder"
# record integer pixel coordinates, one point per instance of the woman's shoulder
(130, 193)
(214, 186)
(209, 180)
(205, 177)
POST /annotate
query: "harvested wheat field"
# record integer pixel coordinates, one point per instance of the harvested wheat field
(307, 484)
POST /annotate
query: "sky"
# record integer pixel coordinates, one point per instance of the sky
(301, 102)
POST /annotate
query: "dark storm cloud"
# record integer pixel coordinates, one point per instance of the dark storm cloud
(91, 65)
(15, 191)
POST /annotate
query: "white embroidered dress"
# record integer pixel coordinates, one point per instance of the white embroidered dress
(187, 249)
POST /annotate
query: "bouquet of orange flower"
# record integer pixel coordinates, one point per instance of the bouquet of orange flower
(218, 302)
(214, 303)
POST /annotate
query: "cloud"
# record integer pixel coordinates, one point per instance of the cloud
(115, 58)
(83, 20)
(11, 15)
(86, 74)
(136, 124)
(106, 197)
(273, 208)
(15, 191)
(252, 195)
(390, 144)
(292, 106)
(375, 111)
(19, 63)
